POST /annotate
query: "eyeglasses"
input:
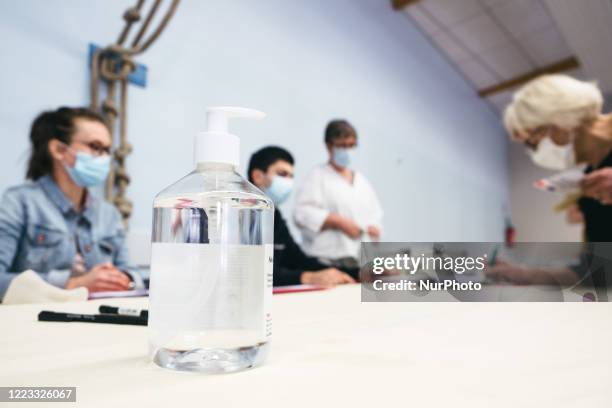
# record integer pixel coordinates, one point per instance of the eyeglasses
(346, 145)
(535, 136)
(97, 148)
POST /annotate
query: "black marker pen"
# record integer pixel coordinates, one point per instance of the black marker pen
(47, 316)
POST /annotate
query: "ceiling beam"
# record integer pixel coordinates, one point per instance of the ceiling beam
(400, 4)
(555, 68)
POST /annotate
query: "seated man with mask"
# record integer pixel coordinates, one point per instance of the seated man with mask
(271, 170)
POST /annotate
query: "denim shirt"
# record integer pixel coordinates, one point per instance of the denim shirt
(40, 230)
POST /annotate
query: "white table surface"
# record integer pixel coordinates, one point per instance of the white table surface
(330, 349)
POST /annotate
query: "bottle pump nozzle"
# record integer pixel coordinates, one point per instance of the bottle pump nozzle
(216, 144)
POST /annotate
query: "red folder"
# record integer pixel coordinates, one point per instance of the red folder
(278, 290)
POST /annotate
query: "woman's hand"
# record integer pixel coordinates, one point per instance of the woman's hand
(101, 278)
(505, 271)
(344, 224)
(374, 232)
(574, 215)
(598, 185)
(524, 275)
(327, 278)
(350, 228)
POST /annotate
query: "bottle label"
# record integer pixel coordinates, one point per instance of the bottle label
(209, 295)
(268, 284)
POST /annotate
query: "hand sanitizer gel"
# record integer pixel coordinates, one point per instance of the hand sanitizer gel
(211, 261)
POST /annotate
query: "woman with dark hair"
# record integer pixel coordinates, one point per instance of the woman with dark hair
(53, 224)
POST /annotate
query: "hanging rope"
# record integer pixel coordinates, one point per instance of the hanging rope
(110, 68)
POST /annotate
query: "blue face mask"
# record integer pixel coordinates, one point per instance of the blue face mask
(279, 189)
(89, 171)
(341, 156)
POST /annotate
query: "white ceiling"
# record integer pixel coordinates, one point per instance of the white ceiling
(587, 27)
(490, 41)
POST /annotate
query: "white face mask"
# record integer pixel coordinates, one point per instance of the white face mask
(279, 189)
(551, 156)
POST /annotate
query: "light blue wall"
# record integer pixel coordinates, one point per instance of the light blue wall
(434, 151)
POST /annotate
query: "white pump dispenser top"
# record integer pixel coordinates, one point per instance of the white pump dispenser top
(216, 144)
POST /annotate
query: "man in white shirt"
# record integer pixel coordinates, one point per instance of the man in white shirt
(336, 208)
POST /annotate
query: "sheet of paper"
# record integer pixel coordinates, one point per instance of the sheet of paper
(564, 181)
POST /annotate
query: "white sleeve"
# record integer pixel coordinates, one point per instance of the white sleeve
(310, 213)
(376, 211)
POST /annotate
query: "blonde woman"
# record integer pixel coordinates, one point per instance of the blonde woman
(560, 121)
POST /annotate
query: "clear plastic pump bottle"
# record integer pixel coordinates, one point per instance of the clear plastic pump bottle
(211, 261)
